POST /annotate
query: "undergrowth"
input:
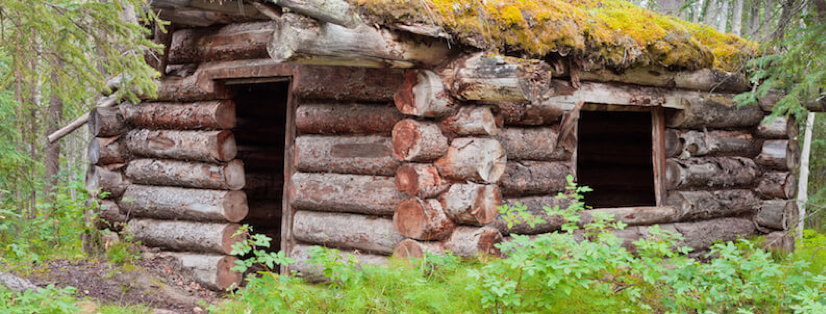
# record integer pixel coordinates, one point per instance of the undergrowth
(583, 269)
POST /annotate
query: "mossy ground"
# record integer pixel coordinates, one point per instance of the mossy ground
(603, 33)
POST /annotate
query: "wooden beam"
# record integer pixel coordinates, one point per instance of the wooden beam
(703, 80)
(337, 12)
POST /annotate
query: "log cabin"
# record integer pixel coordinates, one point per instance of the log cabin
(392, 128)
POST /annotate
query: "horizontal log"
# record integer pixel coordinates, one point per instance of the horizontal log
(106, 150)
(537, 143)
(529, 114)
(709, 80)
(298, 39)
(485, 77)
(367, 155)
(184, 235)
(100, 179)
(181, 116)
(692, 205)
(420, 180)
(201, 13)
(163, 202)
(534, 206)
(211, 271)
(337, 12)
(341, 83)
(106, 122)
(767, 103)
(474, 120)
(301, 254)
(523, 178)
(345, 193)
(471, 204)
(775, 184)
(172, 88)
(423, 94)
(623, 96)
(346, 231)
(464, 242)
(346, 118)
(473, 159)
(779, 155)
(710, 172)
(777, 214)
(418, 141)
(779, 127)
(718, 143)
(207, 146)
(704, 111)
(110, 216)
(422, 220)
(227, 176)
(229, 42)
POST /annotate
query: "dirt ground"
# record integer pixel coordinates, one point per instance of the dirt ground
(153, 281)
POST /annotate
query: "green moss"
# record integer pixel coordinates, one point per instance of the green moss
(612, 33)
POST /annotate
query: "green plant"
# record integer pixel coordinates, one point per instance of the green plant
(49, 300)
(254, 244)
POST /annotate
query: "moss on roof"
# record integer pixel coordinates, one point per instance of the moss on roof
(611, 33)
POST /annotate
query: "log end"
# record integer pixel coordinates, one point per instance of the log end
(227, 148)
(409, 248)
(235, 206)
(405, 139)
(93, 151)
(225, 114)
(227, 277)
(673, 174)
(407, 180)
(488, 240)
(234, 175)
(418, 219)
(228, 239)
(493, 163)
(485, 209)
(673, 144)
(404, 96)
(286, 37)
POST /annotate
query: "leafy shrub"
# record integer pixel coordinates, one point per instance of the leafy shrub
(49, 300)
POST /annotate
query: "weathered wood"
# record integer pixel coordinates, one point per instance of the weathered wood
(208, 146)
(474, 159)
(201, 13)
(369, 155)
(464, 242)
(345, 193)
(692, 205)
(346, 83)
(713, 111)
(658, 156)
(703, 79)
(181, 116)
(776, 214)
(698, 235)
(418, 141)
(301, 254)
(534, 206)
(779, 127)
(106, 150)
(524, 178)
(106, 122)
(615, 96)
(471, 204)
(779, 240)
(718, 143)
(474, 120)
(298, 39)
(775, 184)
(211, 271)
(337, 12)
(187, 89)
(536, 143)
(184, 235)
(767, 103)
(228, 176)
(422, 220)
(102, 101)
(164, 202)
(486, 77)
(100, 179)
(779, 155)
(529, 114)
(347, 231)
(346, 118)
(673, 144)
(229, 42)
(423, 94)
(710, 172)
(110, 216)
(420, 180)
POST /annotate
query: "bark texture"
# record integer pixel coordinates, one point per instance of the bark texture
(710, 172)
(106, 122)
(776, 214)
(345, 193)
(229, 42)
(347, 231)
(211, 271)
(713, 112)
(529, 143)
(217, 115)
(106, 150)
(368, 155)
(692, 205)
(184, 204)
(184, 235)
(483, 77)
(523, 178)
(346, 118)
(420, 180)
(227, 176)
(207, 146)
(474, 120)
(776, 184)
(718, 143)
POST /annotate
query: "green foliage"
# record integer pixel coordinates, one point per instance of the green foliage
(579, 270)
(255, 244)
(49, 300)
(122, 252)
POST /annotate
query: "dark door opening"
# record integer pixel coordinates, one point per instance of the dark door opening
(260, 134)
(614, 157)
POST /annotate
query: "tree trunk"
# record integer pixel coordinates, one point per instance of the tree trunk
(482, 77)
(345, 193)
(106, 150)
(779, 155)
(336, 12)
(181, 116)
(367, 155)
(775, 184)
(669, 7)
(346, 118)
(418, 141)
(528, 114)
(710, 172)
(299, 39)
(718, 143)
(104, 180)
(713, 112)
(529, 143)
(229, 42)
(340, 83)
(301, 254)
(693, 205)
(207, 146)
(737, 18)
(723, 21)
(346, 231)
(423, 94)
(524, 178)
(106, 122)
(464, 242)
(474, 159)
(55, 116)
(474, 120)
(184, 235)
(789, 8)
(211, 271)
(228, 176)
(471, 204)
(776, 214)
(803, 183)
(422, 220)
(185, 204)
(421, 180)
(779, 127)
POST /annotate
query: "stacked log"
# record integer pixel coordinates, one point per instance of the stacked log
(346, 231)
(175, 203)
(185, 236)
(365, 155)
(345, 193)
(209, 270)
(301, 254)
(464, 242)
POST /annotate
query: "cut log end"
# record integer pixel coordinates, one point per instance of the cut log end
(418, 141)
(422, 220)
(423, 94)
(409, 249)
(235, 206)
(227, 277)
(420, 180)
(234, 174)
(229, 238)
(226, 146)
